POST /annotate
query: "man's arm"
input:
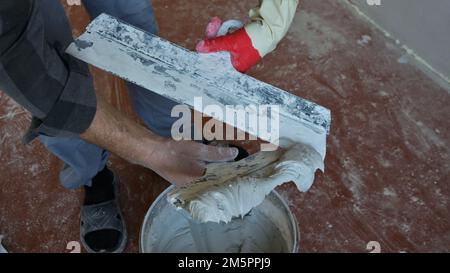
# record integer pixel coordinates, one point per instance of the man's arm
(59, 91)
(179, 162)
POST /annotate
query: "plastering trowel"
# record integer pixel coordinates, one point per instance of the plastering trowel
(179, 74)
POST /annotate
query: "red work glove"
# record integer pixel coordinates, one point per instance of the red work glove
(238, 44)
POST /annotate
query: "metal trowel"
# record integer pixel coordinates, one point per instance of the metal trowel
(181, 75)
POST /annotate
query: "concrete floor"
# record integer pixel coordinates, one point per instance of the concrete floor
(387, 164)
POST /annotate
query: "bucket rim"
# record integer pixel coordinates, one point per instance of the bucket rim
(294, 222)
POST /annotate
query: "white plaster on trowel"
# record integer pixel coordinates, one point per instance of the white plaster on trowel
(233, 189)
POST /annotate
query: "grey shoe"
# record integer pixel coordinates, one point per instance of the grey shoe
(103, 219)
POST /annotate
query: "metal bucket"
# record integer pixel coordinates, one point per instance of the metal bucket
(269, 227)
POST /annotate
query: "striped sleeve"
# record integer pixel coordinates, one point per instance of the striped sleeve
(35, 72)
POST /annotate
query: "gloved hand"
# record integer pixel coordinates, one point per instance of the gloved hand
(269, 23)
(237, 43)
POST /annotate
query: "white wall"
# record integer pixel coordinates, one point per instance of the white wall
(422, 25)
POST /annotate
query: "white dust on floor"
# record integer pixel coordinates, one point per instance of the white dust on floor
(318, 35)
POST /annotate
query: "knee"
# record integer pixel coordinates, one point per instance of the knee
(138, 13)
(135, 12)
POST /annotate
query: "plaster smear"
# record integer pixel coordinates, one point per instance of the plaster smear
(232, 189)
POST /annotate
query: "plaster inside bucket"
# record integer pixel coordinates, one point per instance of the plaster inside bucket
(268, 228)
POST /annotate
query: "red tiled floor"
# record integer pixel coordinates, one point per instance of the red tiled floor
(387, 170)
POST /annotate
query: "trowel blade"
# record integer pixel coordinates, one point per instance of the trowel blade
(179, 74)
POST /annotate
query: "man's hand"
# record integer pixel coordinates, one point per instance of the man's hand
(238, 44)
(178, 162)
(183, 161)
